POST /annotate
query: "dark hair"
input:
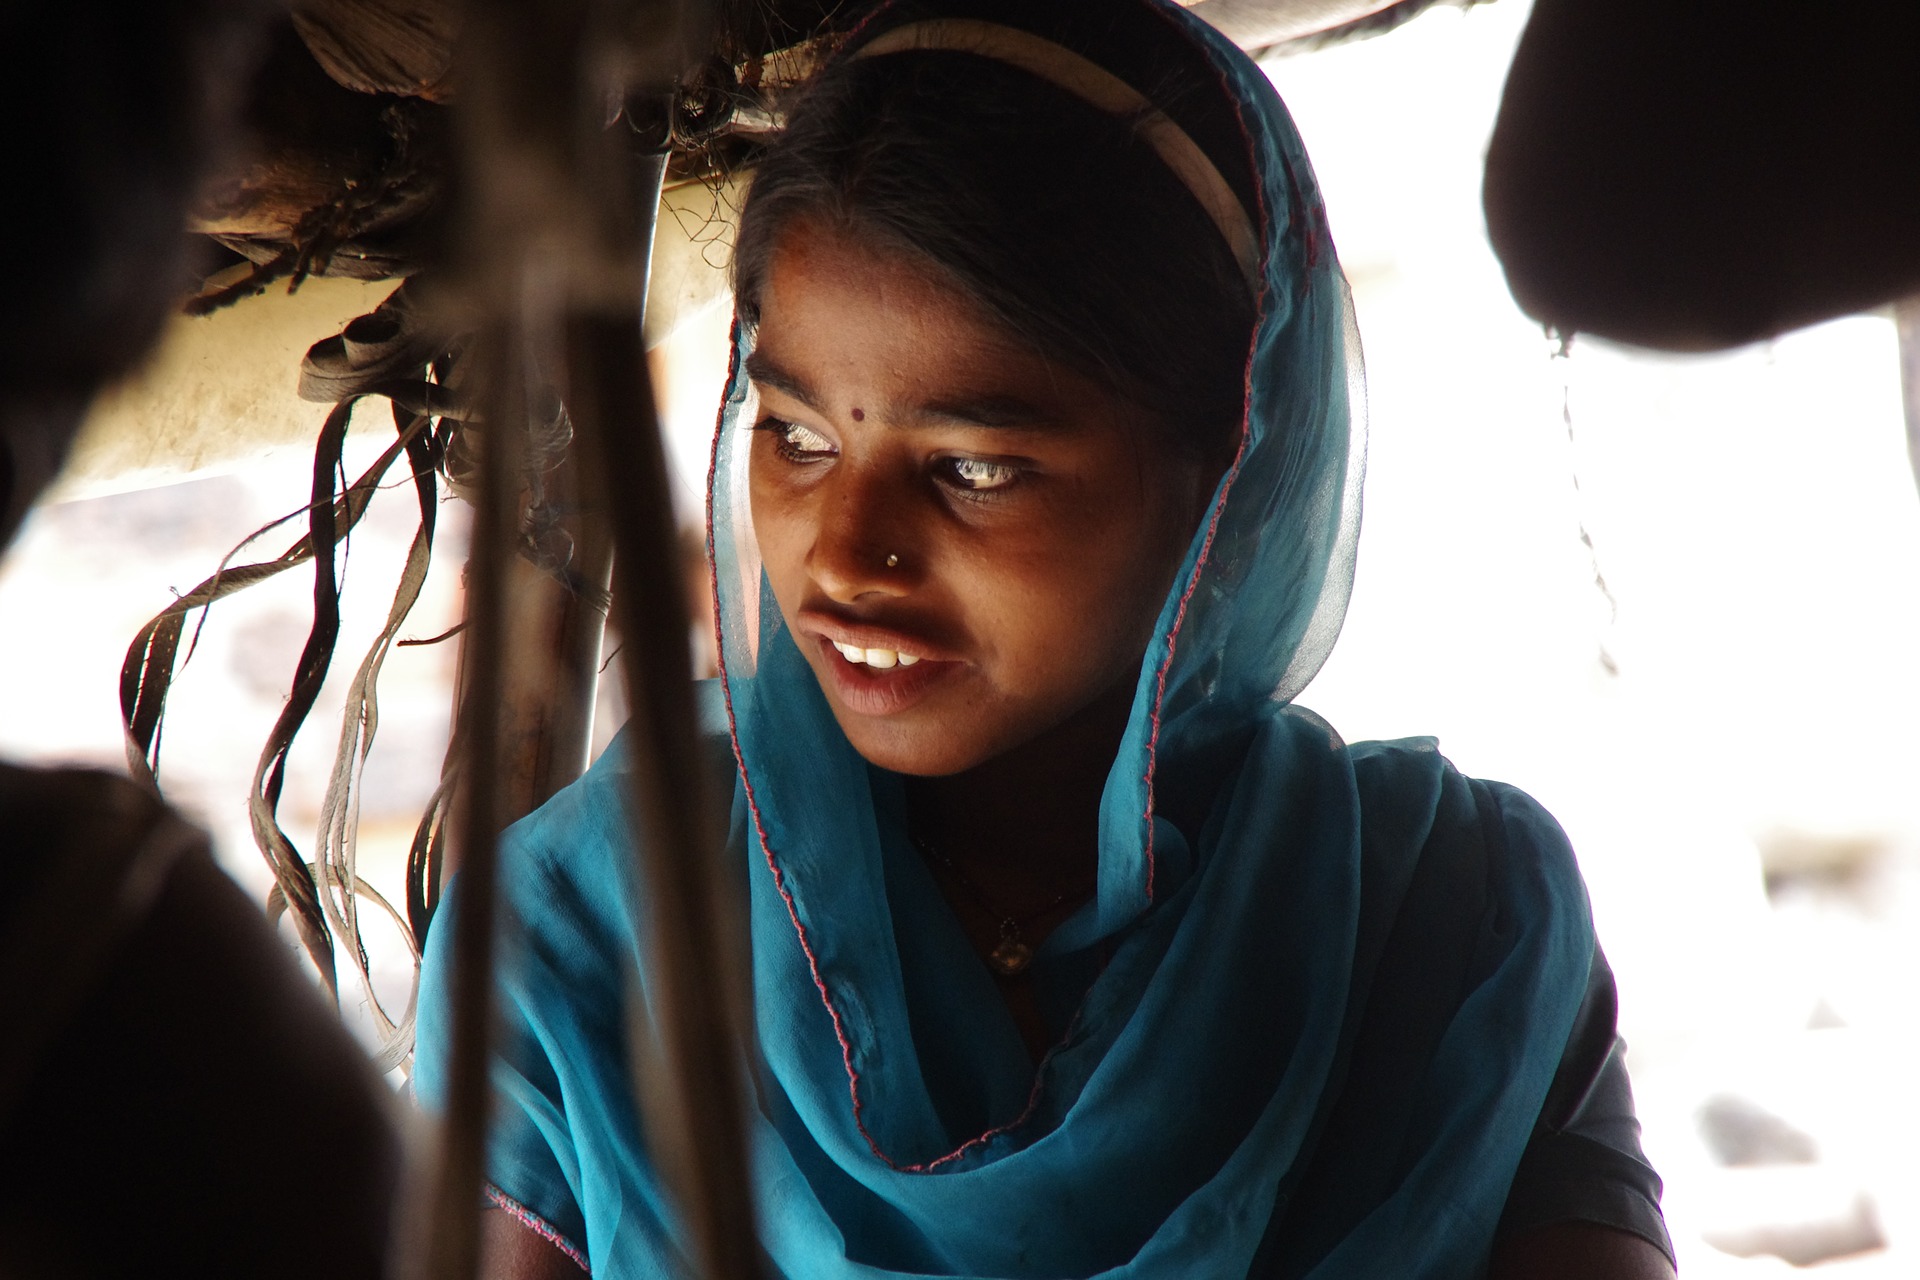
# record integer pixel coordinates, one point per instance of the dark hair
(1063, 224)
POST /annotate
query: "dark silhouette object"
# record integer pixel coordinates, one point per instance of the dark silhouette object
(1700, 174)
(113, 114)
(175, 1098)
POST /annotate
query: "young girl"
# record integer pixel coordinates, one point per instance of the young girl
(1077, 949)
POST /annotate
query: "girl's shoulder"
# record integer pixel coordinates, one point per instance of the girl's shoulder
(1409, 790)
(1445, 855)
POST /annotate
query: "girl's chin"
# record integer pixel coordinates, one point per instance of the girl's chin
(929, 750)
(928, 744)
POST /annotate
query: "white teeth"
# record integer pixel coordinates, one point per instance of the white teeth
(880, 658)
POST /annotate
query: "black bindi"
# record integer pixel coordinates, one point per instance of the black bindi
(859, 415)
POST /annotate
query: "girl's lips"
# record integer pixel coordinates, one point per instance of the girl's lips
(861, 635)
(880, 691)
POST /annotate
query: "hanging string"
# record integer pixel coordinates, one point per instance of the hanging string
(150, 668)
(1562, 356)
(336, 864)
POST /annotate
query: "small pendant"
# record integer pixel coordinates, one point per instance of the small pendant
(1012, 956)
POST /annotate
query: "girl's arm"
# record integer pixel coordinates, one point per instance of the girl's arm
(1577, 1251)
(511, 1250)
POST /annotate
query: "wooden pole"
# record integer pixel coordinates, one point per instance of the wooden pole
(554, 259)
(452, 1250)
(687, 1060)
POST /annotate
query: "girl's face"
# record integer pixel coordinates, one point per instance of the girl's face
(968, 543)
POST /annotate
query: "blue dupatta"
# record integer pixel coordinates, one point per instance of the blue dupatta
(1306, 1024)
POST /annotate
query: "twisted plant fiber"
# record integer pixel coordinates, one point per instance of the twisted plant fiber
(147, 674)
(435, 429)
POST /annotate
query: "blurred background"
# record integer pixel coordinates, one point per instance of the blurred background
(1718, 696)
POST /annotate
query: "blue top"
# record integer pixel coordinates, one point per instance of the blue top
(1307, 1024)
(565, 1159)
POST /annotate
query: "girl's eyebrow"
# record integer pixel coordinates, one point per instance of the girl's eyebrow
(1010, 412)
(765, 373)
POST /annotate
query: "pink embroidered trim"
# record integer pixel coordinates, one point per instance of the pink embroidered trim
(538, 1225)
(713, 480)
(1233, 472)
(740, 759)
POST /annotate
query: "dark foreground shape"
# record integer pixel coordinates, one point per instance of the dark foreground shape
(1695, 174)
(175, 1096)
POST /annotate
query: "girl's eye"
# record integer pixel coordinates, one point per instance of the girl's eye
(977, 475)
(794, 442)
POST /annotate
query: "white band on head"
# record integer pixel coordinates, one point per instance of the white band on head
(1087, 80)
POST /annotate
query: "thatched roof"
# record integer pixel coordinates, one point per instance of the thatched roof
(345, 176)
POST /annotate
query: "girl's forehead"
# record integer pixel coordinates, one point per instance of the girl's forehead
(841, 322)
(814, 258)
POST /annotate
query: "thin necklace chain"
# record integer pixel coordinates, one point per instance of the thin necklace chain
(1014, 954)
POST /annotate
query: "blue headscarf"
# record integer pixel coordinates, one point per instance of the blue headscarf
(1308, 1020)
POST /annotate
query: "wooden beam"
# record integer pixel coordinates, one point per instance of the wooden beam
(553, 261)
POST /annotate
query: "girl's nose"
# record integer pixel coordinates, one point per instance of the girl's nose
(863, 545)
